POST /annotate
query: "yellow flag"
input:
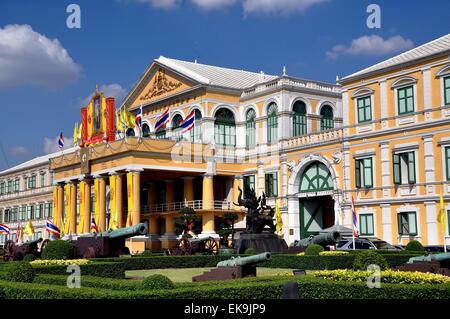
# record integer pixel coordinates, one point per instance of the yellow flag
(119, 125)
(29, 229)
(130, 119)
(112, 203)
(130, 198)
(81, 220)
(97, 201)
(55, 205)
(67, 214)
(278, 220)
(80, 130)
(441, 214)
(75, 135)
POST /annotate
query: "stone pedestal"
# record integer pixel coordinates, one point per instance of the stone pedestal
(263, 242)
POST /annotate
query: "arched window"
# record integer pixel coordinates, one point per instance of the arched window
(250, 126)
(225, 128)
(272, 123)
(177, 132)
(326, 118)
(197, 130)
(130, 132)
(145, 130)
(316, 177)
(299, 119)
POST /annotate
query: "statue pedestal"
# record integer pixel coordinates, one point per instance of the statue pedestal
(261, 243)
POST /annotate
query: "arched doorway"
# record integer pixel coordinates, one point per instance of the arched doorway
(316, 203)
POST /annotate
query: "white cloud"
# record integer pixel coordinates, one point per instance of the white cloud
(279, 6)
(18, 150)
(161, 4)
(372, 45)
(51, 144)
(109, 90)
(213, 4)
(28, 57)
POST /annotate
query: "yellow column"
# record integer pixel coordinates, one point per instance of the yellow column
(59, 206)
(208, 192)
(73, 208)
(119, 201)
(237, 182)
(87, 206)
(102, 204)
(136, 214)
(208, 204)
(188, 183)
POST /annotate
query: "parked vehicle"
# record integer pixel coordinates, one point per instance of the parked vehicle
(436, 249)
(364, 243)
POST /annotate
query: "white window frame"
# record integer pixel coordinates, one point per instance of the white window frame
(372, 212)
(405, 209)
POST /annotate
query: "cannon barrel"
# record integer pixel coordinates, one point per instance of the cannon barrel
(431, 257)
(122, 233)
(242, 261)
(321, 239)
(31, 242)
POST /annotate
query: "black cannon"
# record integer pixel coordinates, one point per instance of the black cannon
(436, 264)
(107, 244)
(322, 239)
(13, 252)
(191, 246)
(234, 268)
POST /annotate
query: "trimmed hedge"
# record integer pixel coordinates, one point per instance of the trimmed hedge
(157, 281)
(99, 269)
(310, 288)
(58, 249)
(278, 261)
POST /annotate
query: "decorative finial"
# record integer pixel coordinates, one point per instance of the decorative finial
(284, 71)
(195, 61)
(337, 78)
(96, 88)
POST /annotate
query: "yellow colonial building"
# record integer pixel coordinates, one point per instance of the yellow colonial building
(380, 136)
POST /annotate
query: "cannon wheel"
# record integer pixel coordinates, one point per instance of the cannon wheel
(211, 247)
(183, 247)
(9, 251)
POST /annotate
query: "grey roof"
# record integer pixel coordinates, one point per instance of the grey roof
(216, 76)
(40, 160)
(434, 47)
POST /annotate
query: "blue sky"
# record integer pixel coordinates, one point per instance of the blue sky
(47, 70)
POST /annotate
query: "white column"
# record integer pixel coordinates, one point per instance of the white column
(383, 99)
(345, 112)
(432, 228)
(261, 179)
(386, 222)
(208, 130)
(293, 219)
(429, 163)
(385, 168)
(426, 89)
(284, 179)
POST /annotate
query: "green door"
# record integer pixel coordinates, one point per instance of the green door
(311, 218)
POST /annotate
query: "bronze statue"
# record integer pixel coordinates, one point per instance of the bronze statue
(256, 218)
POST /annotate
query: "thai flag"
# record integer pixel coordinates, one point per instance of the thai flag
(139, 117)
(188, 123)
(61, 140)
(94, 225)
(52, 229)
(355, 219)
(162, 120)
(4, 229)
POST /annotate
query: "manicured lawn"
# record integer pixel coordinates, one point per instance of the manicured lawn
(186, 274)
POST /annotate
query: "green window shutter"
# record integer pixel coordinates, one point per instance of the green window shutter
(357, 173)
(447, 90)
(368, 179)
(399, 223)
(412, 224)
(397, 169)
(411, 168)
(447, 157)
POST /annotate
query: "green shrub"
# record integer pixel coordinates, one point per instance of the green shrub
(58, 249)
(250, 251)
(146, 253)
(99, 269)
(227, 252)
(414, 245)
(156, 281)
(368, 257)
(29, 257)
(313, 250)
(21, 271)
